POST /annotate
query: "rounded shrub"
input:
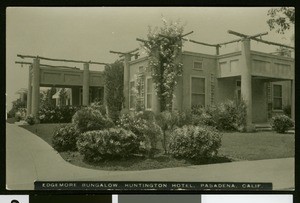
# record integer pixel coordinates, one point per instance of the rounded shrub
(30, 120)
(65, 138)
(147, 131)
(281, 123)
(108, 144)
(56, 114)
(18, 116)
(88, 119)
(194, 142)
(227, 116)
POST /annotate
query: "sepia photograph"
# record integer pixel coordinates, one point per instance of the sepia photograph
(150, 98)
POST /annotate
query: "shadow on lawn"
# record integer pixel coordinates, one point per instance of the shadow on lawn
(138, 163)
(214, 160)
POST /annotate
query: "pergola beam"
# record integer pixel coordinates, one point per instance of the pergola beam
(273, 43)
(61, 60)
(187, 34)
(202, 43)
(124, 53)
(23, 63)
(46, 65)
(254, 37)
(229, 42)
(246, 36)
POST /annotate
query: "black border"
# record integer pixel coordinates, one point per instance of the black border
(88, 3)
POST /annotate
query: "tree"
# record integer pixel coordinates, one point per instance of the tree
(46, 98)
(281, 19)
(16, 105)
(163, 47)
(113, 77)
(63, 96)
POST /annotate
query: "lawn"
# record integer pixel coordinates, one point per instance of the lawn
(235, 147)
(258, 145)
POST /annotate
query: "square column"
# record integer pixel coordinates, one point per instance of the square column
(29, 92)
(246, 80)
(126, 90)
(86, 85)
(35, 87)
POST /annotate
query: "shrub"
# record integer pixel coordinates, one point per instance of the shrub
(195, 143)
(168, 120)
(18, 116)
(228, 116)
(110, 143)
(88, 119)
(204, 115)
(281, 123)
(99, 106)
(56, 114)
(16, 105)
(287, 110)
(65, 138)
(30, 120)
(148, 132)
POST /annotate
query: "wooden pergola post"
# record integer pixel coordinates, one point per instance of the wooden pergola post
(86, 85)
(126, 90)
(35, 87)
(246, 80)
(29, 92)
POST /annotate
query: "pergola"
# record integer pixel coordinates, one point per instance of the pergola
(61, 76)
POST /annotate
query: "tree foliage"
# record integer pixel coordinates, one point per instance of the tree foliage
(113, 77)
(46, 98)
(63, 96)
(281, 19)
(163, 48)
(16, 105)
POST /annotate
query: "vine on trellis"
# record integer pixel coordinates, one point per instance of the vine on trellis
(163, 48)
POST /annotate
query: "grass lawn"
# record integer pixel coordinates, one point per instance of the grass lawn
(235, 147)
(258, 145)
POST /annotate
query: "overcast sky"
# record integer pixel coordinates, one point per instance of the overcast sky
(90, 33)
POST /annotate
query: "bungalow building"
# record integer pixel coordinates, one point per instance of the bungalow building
(264, 81)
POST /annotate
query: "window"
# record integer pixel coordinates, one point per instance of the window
(149, 93)
(197, 91)
(198, 65)
(131, 95)
(277, 97)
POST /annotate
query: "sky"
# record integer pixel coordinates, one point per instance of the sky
(89, 33)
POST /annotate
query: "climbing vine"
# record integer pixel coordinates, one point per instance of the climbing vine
(163, 47)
